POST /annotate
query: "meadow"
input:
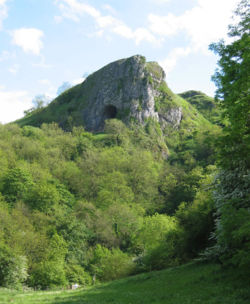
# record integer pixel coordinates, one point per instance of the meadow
(188, 284)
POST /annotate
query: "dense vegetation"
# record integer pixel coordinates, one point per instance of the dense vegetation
(192, 283)
(206, 105)
(233, 183)
(77, 206)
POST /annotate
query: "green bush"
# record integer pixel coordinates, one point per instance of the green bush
(112, 264)
(169, 252)
(17, 182)
(76, 274)
(48, 274)
(13, 268)
(50, 271)
(153, 230)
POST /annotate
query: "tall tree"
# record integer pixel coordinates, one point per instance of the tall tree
(233, 95)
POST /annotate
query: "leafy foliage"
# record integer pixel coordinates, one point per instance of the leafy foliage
(232, 196)
(204, 104)
(13, 268)
(110, 264)
(76, 204)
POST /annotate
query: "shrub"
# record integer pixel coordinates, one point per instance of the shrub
(13, 268)
(169, 252)
(76, 274)
(112, 264)
(48, 274)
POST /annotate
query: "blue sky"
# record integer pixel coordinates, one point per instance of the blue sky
(48, 42)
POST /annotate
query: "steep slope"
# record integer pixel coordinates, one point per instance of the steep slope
(203, 103)
(131, 89)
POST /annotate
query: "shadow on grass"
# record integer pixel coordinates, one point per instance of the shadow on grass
(187, 284)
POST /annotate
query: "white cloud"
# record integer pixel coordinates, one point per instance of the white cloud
(29, 39)
(69, 84)
(75, 9)
(206, 22)
(164, 25)
(109, 8)
(13, 104)
(50, 89)
(58, 19)
(5, 55)
(14, 69)
(142, 34)
(170, 61)
(3, 11)
(44, 82)
(42, 64)
(124, 31)
(77, 81)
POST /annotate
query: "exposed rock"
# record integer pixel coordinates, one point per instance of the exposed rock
(172, 117)
(130, 89)
(124, 89)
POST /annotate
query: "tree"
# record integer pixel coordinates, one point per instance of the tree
(111, 264)
(162, 241)
(232, 196)
(17, 182)
(64, 87)
(13, 268)
(40, 101)
(50, 272)
(197, 218)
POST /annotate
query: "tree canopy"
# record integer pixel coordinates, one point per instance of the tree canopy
(233, 95)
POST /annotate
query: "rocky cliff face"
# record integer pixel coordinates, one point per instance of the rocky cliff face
(171, 117)
(130, 89)
(124, 89)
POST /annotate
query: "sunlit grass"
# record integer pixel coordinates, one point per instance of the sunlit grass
(188, 284)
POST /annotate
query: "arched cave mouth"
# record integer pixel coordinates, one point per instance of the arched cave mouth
(110, 112)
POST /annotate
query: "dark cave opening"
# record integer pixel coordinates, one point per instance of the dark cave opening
(110, 112)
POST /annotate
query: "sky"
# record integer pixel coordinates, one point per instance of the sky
(46, 43)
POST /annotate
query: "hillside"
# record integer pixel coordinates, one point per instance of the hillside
(130, 89)
(133, 91)
(193, 283)
(108, 204)
(130, 195)
(134, 193)
(204, 104)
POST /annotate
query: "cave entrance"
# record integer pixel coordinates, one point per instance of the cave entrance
(110, 112)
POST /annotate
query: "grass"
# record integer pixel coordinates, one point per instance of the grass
(188, 284)
(154, 69)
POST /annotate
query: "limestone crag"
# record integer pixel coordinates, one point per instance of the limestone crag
(172, 117)
(130, 89)
(124, 89)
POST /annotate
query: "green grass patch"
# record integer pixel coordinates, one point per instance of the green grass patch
(154, 69)
(188, 284)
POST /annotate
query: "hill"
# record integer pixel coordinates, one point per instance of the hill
(130, 89)
(133, 91)
(204, 104)
(193, 283)
(130, 195)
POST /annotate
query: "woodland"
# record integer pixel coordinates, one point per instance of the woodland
(82, 207)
